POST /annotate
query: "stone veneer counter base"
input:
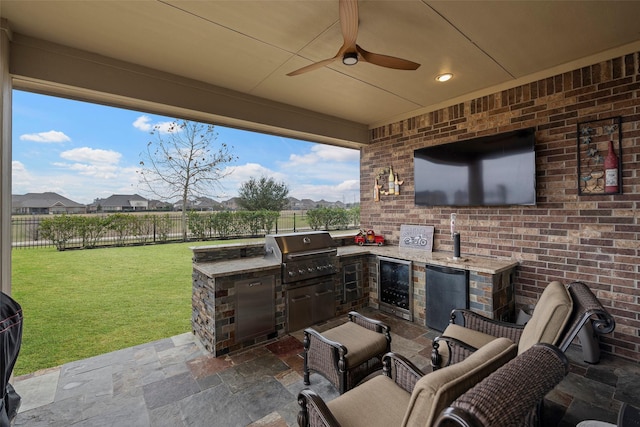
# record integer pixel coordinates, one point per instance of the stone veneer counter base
(217, 270)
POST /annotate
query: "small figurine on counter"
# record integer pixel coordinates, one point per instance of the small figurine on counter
(369, 237)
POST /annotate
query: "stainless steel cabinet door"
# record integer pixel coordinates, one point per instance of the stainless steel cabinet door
(255, 307)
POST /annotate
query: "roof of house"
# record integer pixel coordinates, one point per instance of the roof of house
(119, 200)
(42, 200)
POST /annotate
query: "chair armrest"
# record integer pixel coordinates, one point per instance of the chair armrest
(339, 347)
(314, 411)
(480, 323)
(458, 351)
(510, 394)
(586, 306)
(401, 370)
(329, 356)
(371, 324)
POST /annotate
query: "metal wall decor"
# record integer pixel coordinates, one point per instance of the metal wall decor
(600, 157)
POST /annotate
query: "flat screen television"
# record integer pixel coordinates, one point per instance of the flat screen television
(495, 170)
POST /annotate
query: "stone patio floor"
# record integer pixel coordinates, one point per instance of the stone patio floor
(175, 382)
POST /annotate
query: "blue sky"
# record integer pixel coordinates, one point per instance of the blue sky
(86, 151)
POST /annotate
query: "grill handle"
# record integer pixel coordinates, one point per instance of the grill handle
(293, 256)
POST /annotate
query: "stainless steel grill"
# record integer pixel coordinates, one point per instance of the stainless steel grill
(303, 255)
(309, 270)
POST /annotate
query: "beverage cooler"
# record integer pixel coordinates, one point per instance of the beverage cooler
(395, 286)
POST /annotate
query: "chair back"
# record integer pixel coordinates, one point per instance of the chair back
(436, 390)
(549, 319)
(511, 395)
(586, 306)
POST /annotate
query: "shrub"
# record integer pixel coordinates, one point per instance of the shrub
(328, 218)
(163, 226)
(90, 229)
(59, 229)
(121, 225)
(199, 225)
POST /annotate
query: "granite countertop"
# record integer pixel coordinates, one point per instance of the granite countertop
(443, 259)
(236, 266)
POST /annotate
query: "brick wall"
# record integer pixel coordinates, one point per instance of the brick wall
(564, 237)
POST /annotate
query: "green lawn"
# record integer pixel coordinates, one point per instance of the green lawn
(82, 303)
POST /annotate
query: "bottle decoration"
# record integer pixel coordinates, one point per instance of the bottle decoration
(391, 181)
(392, 187)
(598, 162)
(376, 191)
(396, 185)
(611, 171)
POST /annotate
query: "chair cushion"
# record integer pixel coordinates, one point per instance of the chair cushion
(471, 337)
(468, 336)
(436, 390)
(361, 343)
(549, 318)
(377, 402)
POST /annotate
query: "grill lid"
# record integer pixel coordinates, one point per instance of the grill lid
(293, 245)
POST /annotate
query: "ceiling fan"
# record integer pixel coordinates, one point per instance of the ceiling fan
(350, 52)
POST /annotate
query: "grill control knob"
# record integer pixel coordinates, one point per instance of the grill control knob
(301, 271)
(292, 273)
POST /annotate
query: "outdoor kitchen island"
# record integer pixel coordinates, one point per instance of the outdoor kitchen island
(239, 298)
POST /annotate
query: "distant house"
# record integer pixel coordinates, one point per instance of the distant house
(200, 204)
(231, 204)
(120, 203)
(158, 205)
(44, 203)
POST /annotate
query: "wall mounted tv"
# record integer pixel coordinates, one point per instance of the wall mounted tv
(495, 170)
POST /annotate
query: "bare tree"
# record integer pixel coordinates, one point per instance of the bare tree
(184, 162)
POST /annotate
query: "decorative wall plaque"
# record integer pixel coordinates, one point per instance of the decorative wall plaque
(416, 237)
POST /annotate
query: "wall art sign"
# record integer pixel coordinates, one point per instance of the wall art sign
(416, 237)
(600, 157)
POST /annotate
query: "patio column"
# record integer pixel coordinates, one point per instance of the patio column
(5, 159)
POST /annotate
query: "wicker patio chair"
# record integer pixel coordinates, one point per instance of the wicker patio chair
(512, 395)
(403, 395)
(557, 319)
(469, 331)
(347, 353)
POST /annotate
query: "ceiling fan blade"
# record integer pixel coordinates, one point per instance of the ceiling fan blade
(386, 61)
(349, 24)
(313, 66)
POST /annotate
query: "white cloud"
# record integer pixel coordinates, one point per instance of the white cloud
(91, 162)
(91, 155)
(20, 177)
(53, 136)
(100, 171)
(325, 153)
(145, 124)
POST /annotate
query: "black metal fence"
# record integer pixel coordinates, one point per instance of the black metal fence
(120, 229)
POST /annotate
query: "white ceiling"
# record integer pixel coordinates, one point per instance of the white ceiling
(249, 46)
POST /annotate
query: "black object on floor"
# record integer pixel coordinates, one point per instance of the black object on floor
(11, 339)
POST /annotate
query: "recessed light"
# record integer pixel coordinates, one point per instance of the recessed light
(444, 77)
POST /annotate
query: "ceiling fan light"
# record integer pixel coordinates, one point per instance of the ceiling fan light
(350, 58)
(444, 77)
